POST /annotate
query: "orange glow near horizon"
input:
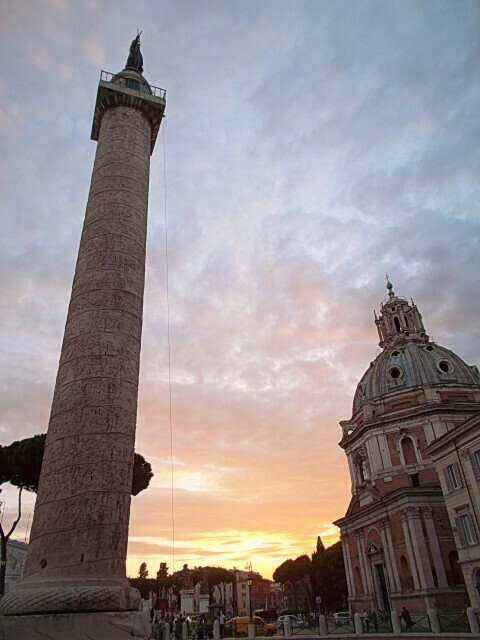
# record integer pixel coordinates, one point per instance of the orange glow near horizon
(247, 550)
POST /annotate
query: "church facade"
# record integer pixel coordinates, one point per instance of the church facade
(398, 544)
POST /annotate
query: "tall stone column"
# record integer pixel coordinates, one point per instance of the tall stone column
(78, 544)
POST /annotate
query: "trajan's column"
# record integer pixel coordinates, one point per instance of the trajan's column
(76, 561)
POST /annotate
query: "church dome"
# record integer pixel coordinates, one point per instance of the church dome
(412, 365)
(409, 359)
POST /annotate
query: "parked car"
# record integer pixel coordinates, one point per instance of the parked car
(342, 617)
(238, 627)
(269, 615)
(295, 622)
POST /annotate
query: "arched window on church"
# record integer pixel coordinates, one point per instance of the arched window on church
(408, 450)
(357, 576)
(396, 322)
(406, 576)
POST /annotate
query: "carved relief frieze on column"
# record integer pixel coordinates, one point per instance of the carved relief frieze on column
(78, 544)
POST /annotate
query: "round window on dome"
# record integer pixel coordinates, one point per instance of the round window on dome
(445, 366)
(429, 347)
(395, 353)
(395, 373)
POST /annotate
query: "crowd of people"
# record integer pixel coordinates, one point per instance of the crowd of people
(198, 628)
(372, 618)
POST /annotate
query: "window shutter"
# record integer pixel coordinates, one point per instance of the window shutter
(461, 534)
(458, 477)
(472, 528)
(474, 463)
(448, 480)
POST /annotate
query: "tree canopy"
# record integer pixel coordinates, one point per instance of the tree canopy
(323, 575)
(21, 463)
(329, 579)
(143, 571)
(142, 474)
(292, 570)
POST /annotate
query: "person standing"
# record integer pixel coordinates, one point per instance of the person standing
(221, 620)
(366, 620)
(406, 618)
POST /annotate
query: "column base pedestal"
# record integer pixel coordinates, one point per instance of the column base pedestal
(111, 625)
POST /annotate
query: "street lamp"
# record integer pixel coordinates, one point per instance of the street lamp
(249, 585)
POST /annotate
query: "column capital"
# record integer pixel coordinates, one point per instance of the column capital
(129, 89)
(427, 512)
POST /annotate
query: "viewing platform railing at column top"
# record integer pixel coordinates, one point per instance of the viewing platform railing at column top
(131, 83)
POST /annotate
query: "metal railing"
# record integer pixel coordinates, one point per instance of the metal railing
(417, 624)
(131, 83)
(340, 627)
(383, 625)
(453, 622)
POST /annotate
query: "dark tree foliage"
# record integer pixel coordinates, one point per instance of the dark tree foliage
(3, 466)
(297, 575)
(215, 575)
(142, 474)
(331, 582)
(23, 461)
(144, 585)
(143, 571)
(21, 464)
(293, 570)
(162, 581)
(323, 576)
(162, 572)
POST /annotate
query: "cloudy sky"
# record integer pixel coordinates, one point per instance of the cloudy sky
(311, 147)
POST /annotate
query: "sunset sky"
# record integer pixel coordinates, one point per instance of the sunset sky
(311, 147)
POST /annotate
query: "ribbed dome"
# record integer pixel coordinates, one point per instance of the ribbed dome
(410, 365)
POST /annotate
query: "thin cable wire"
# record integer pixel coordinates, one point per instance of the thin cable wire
(169, 351)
